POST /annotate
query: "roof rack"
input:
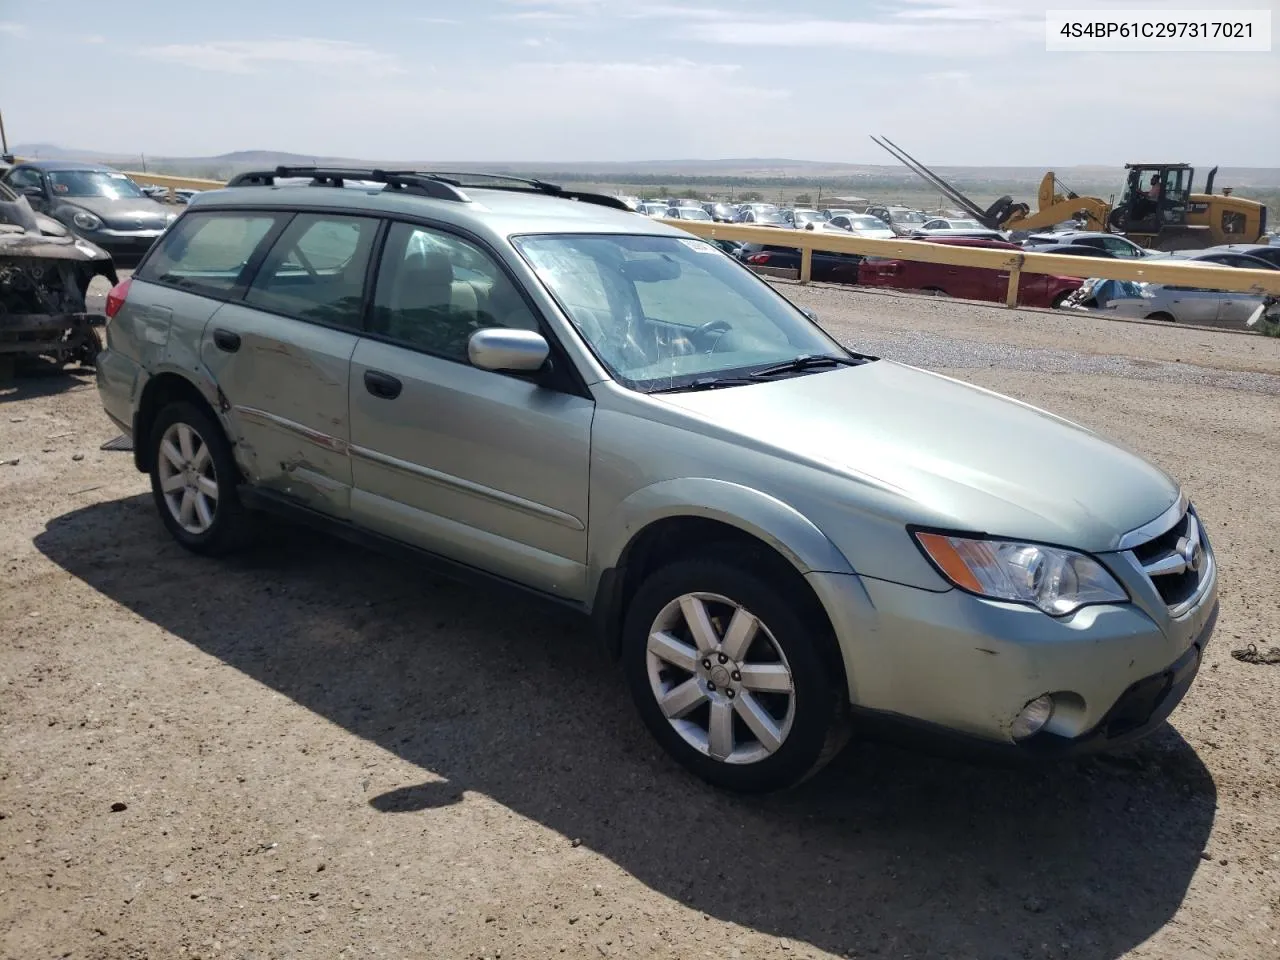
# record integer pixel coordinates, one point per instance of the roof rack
(408, 181)
(438, 185)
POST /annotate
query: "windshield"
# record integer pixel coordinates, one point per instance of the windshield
(768, 216)
(908, 216)
(804, 216)
(92, 183)
(692, 213)
(663, 312)
(868, 223)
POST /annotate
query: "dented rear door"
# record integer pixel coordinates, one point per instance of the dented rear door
(282, 359)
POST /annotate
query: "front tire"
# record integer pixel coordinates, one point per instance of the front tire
(731, 673)
(194, 479)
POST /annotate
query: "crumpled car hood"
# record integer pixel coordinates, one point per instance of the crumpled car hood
(966, 458)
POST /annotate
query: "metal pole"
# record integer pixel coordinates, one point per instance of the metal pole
(4, 141)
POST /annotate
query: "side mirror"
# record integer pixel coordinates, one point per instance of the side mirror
(502, 349)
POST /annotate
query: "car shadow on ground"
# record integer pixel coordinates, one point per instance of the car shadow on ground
(40, 377)
(885, 853)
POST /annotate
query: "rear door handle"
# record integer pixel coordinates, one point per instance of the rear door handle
(226, 340)
(382, 385)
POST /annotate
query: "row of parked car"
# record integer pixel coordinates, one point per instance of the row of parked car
(1153, 301)
(877, 221)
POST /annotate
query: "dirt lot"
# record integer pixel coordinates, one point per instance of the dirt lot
(311, 751)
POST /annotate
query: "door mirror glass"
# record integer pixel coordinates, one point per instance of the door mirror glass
(504, 349)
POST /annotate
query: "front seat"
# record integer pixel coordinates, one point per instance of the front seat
(421, 300)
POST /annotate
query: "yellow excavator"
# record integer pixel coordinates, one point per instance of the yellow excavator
(1157, 209)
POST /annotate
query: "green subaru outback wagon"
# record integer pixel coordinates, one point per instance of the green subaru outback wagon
(778, 538)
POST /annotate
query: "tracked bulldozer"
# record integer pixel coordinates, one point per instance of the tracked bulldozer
(1157, 209)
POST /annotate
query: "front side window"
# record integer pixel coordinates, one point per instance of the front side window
(22, 178)
(436, 289)
(663, 312)
(93, 183)
(316, 270)
(1121, 248)
(207, 251)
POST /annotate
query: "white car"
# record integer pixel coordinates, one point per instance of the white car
(863, 225)
(945, 223)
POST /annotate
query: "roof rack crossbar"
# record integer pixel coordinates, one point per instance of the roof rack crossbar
(409, 181)
(441, 185)
(542, 186)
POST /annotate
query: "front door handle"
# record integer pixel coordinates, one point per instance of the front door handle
(226, 340)
(382, 385)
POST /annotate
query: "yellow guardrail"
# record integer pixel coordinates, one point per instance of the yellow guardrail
(1016, 262)
(173, 183)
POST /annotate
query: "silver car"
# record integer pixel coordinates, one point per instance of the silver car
(775, 536)
(1183, 304)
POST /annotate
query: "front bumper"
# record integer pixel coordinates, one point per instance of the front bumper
(123, 243)
(956, 664)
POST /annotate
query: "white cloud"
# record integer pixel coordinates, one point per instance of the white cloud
(93, 38)
(951, 39)
(12, 29)
(572, 110)
(439, 20)
(537, 16)
(249, 56)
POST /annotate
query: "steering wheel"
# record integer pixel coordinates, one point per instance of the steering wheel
(711, 326)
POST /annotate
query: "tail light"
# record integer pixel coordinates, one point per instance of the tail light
(116, 298)
(758, 258)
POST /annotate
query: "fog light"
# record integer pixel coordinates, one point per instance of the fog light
(1032, 718)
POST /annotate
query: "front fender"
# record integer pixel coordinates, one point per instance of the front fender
(763, 516)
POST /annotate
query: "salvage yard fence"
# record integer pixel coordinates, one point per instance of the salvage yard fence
(1013, 262)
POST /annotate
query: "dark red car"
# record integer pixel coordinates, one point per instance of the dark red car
(966, 283)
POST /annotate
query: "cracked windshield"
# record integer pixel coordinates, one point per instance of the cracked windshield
(665, 313)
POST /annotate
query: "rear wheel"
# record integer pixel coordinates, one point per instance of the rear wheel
(730, 674)
(194, 479)
(1161, 316)
(936, 292)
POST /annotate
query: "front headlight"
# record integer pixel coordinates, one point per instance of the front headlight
(86, 221)
(1057, 581)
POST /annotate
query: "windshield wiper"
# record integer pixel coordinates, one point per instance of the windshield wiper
(809, 362)
(708, 383)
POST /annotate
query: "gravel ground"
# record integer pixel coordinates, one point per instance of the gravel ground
(311, 751)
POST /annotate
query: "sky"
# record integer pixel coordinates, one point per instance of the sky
(959, 82)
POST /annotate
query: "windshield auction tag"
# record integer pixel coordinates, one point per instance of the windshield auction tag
(698, 246)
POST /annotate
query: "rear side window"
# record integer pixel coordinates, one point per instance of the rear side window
(207, 252)
(316, 270)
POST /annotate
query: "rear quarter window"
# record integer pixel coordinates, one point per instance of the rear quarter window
(208, 252)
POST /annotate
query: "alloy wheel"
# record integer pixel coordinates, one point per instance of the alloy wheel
(188, 479)
(720, 678)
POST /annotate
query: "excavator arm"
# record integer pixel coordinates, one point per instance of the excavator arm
(1005, 214)
(1056, 204)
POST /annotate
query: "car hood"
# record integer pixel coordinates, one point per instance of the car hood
(961, 457)
(127, 213)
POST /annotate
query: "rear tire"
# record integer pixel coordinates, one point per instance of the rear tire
(749, 715)
(1162, 317)
(194, 479)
